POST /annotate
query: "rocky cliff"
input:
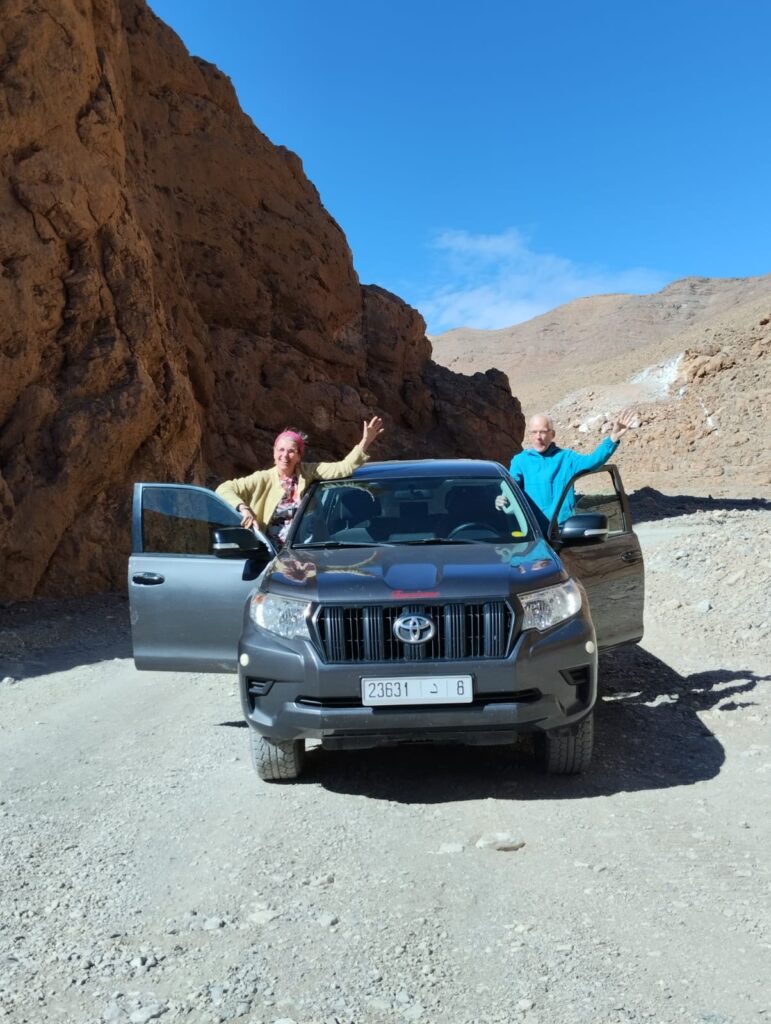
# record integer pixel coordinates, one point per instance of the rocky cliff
(173, 292)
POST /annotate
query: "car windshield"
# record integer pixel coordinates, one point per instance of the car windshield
(420, 510)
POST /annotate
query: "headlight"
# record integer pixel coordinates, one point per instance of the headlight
(545, 608)
(279, 615)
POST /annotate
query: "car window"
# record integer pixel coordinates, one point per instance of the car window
(181, 520)
(411, 510)
(596, 492)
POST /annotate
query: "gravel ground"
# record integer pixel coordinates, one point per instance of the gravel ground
(148, 874)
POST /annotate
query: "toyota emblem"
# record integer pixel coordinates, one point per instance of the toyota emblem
(414, 629)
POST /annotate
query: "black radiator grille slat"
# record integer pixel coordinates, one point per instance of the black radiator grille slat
(336, 638)
(454, 631)
(372, 622)
(462, 630)
(494, 629)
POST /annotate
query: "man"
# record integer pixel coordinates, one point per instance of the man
(543, 470)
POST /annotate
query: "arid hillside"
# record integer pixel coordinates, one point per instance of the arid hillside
(693, 358)
(173, 293)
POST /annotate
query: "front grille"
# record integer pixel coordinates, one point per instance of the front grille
(354, 634)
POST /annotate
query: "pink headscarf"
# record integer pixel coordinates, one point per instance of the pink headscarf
(294, 436)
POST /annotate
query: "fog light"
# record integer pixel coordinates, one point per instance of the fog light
(244, 659)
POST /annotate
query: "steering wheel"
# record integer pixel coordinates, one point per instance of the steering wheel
(485, 527)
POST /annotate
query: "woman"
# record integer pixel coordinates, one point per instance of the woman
(270, 498)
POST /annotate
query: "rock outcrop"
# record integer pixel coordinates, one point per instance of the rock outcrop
(703, 417)
(694, 359)
(173, 292)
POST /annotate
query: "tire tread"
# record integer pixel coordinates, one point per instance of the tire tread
(569, 751)
(276, 760)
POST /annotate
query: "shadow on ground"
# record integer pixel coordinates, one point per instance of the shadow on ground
(649, 505)
(648, 736)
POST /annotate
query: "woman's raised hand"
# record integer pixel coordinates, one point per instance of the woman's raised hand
(371, 430)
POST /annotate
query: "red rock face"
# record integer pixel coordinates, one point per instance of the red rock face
(173, 293)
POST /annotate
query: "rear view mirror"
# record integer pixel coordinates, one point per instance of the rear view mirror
(238, 542)
(584, 528)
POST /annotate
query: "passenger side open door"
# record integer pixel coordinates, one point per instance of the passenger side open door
(610, 567)
(187, 603)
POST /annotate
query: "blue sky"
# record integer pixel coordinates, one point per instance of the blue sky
(488, 161)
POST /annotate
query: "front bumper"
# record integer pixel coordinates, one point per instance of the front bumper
(547, 682)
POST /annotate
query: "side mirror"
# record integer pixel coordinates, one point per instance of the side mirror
(238, 542)
(584, 528)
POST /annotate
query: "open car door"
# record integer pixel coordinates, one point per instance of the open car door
(611, 568)
(187, 603)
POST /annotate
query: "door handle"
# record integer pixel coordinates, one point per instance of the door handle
(148, 579)
(630, 556)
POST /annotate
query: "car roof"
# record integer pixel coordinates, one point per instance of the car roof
(410, 468)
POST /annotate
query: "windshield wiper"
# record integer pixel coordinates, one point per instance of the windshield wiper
(336, 544)
(438, 540)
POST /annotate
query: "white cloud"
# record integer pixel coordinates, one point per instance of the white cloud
(490, 281)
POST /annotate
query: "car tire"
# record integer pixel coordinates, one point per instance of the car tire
(567, 751)
(276, 760)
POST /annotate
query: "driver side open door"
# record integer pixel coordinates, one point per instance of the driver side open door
(187, 604)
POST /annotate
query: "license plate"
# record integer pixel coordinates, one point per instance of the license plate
(392, 690)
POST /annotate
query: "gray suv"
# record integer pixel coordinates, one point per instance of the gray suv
(413, 602)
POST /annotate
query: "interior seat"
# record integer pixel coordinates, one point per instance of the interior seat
(356, 509)
(466, 504)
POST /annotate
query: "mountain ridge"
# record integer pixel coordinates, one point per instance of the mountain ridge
(692, 357)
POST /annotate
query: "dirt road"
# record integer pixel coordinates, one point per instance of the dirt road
(148, 874)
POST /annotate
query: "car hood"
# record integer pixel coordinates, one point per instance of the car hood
(399, 572)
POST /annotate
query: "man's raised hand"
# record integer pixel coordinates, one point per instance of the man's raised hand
(626, 418)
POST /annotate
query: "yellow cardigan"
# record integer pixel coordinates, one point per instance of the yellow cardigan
(262, 491)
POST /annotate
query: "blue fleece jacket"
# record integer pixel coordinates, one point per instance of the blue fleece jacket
(543, 477)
